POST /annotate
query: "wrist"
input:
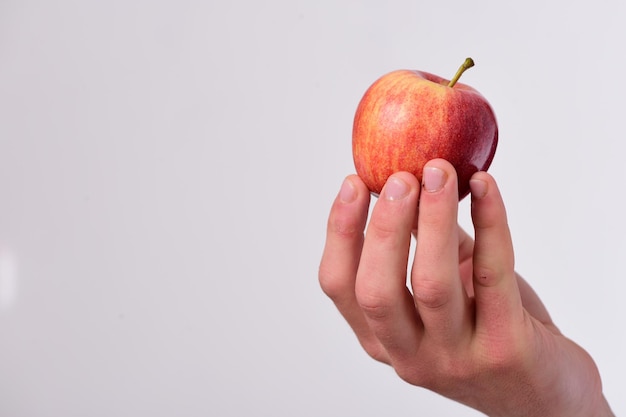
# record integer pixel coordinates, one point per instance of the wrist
(598, 408)
(570, 392)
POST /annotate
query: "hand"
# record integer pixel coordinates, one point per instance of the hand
(469, 327)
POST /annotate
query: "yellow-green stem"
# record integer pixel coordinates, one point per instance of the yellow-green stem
(469, 63)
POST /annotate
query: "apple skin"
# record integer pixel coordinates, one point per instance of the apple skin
(406, 118)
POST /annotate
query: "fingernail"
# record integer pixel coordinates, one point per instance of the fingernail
(478, 188)
(433, 179)
(395, 189)
(347, 193)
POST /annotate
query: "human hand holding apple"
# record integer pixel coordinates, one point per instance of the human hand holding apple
(456, 319)
(407, 118)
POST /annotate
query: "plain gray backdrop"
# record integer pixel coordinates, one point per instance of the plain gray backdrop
(166, 169)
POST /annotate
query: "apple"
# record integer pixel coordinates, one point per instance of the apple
(407, 117)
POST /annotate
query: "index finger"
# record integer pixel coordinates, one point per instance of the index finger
(341, 256)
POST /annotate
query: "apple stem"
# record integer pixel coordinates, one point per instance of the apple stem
(468, 63)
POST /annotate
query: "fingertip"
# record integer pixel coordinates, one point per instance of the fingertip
(395, 189)
(348, 213)
(440, 163)
(433, 179)
(487, 204)
(407, 177)
(481, 183)
(352, 188)
(478, 188)
(399, 185)
(436, 174)
(348, 192)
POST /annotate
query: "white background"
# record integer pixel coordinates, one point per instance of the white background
(166, 169)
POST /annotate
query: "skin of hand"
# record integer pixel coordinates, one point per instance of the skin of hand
(466, 325)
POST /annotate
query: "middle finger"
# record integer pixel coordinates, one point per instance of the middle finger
(381, 288)
(439, 294)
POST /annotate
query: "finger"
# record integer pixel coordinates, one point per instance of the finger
(466, 245)
(340, 259)
(466, 252)
(437, 287)
(381, 280)
(466, 269)
(498, 302)
(533, 304)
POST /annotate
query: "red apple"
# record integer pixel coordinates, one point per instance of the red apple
(407, 118)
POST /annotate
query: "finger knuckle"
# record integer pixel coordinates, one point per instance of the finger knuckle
(382, 229)
(375, 304)
(446, 373)
(488, 274)
(344, 228)
(504, 355)
(412, 375)
(431, 293)
(334, 286)
(375, 350)
(329, 284)
(485, 276)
